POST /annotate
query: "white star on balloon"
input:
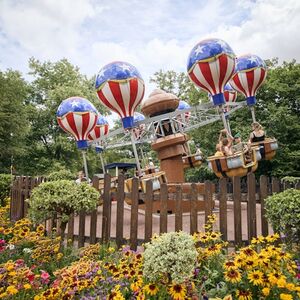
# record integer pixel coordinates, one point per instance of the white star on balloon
(125, 67)
(222, 44)
(199, 49)
(253, 59)
(101, 73)
(75, 104)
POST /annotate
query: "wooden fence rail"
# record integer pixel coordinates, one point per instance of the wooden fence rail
(240, 217)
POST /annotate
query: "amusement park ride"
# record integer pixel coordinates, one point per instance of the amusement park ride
(213, 67)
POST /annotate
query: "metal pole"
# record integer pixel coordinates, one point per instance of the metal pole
(228, 125)
(221, 111)
(135, 154)
(102, 162)
(85, 166)
(252, 113)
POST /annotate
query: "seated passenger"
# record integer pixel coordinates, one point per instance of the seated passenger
(226, 146)
(218, 150)
(257, 134)
(238, 144)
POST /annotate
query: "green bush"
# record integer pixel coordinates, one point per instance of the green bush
(61, 175)
(60, 199)
(283, 212)
(5, 182)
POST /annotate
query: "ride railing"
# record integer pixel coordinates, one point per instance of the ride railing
(240, 216)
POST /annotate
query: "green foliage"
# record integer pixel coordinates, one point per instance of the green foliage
(14, 125)
(61, 197)
(5, 183)
(283, 211)
(61, 175)
(199, 174)
(171, 254)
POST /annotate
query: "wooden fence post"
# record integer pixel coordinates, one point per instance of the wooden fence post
(178, 208)
(263, 189)
(275, 185)
(134, 214)
(194, 209)
(93, 224)
(163, 225)
(106, 216)
(148, 210)
(223, 208)
(120, 211)
(251, 207)
(237, 213)
(208, 199)
(81, 229)
(70, 235)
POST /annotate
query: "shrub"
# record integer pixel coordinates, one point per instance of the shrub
(283, 211)
(171, 256)
(5, 182)
(61, 175)
(60, 199)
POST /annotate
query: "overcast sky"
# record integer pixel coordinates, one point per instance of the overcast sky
(151, 35)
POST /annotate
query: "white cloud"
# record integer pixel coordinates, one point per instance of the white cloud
(150, 35)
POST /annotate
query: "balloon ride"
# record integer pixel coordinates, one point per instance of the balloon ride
(78, 116)
(121, 88)
(166, 119)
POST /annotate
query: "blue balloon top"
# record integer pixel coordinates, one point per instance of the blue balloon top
(75, 104)
(249, 61)
(228, 87)
(137, 117)
(101, 120)
(117, 70)
(207, 49)
(183, 105)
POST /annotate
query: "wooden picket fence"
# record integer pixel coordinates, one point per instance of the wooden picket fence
(97, 225)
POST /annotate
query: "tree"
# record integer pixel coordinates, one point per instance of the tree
(14, 124)
(46, 142)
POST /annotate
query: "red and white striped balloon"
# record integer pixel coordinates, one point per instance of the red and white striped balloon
(78, 116)
(121, 88)
(251, 71)
(210, 66)
(100, 130)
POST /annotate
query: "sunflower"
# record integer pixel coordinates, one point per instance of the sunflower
(230, 265)
(151, 289)
(244, 295)
(177, 291)
(232, 275)
(256, 277)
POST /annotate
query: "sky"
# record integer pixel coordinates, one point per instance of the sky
(151, 35)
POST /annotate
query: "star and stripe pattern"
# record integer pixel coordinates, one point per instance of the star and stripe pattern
(230, 94)
(121, 88)
(100, 130)
(210, 66)
(251, 71)
(77, 116)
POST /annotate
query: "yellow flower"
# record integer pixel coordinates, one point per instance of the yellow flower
(286, 297)
(256, 277)
(232, 275)
(290, 286)
(266, 291)
(177, 291)
(27, 286)
(244, 295)
(151, 289)
(281, 282)
(12, 290)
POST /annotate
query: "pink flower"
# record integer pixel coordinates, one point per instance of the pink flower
(45, 277)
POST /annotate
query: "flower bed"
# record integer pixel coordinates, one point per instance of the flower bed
(172, 266)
